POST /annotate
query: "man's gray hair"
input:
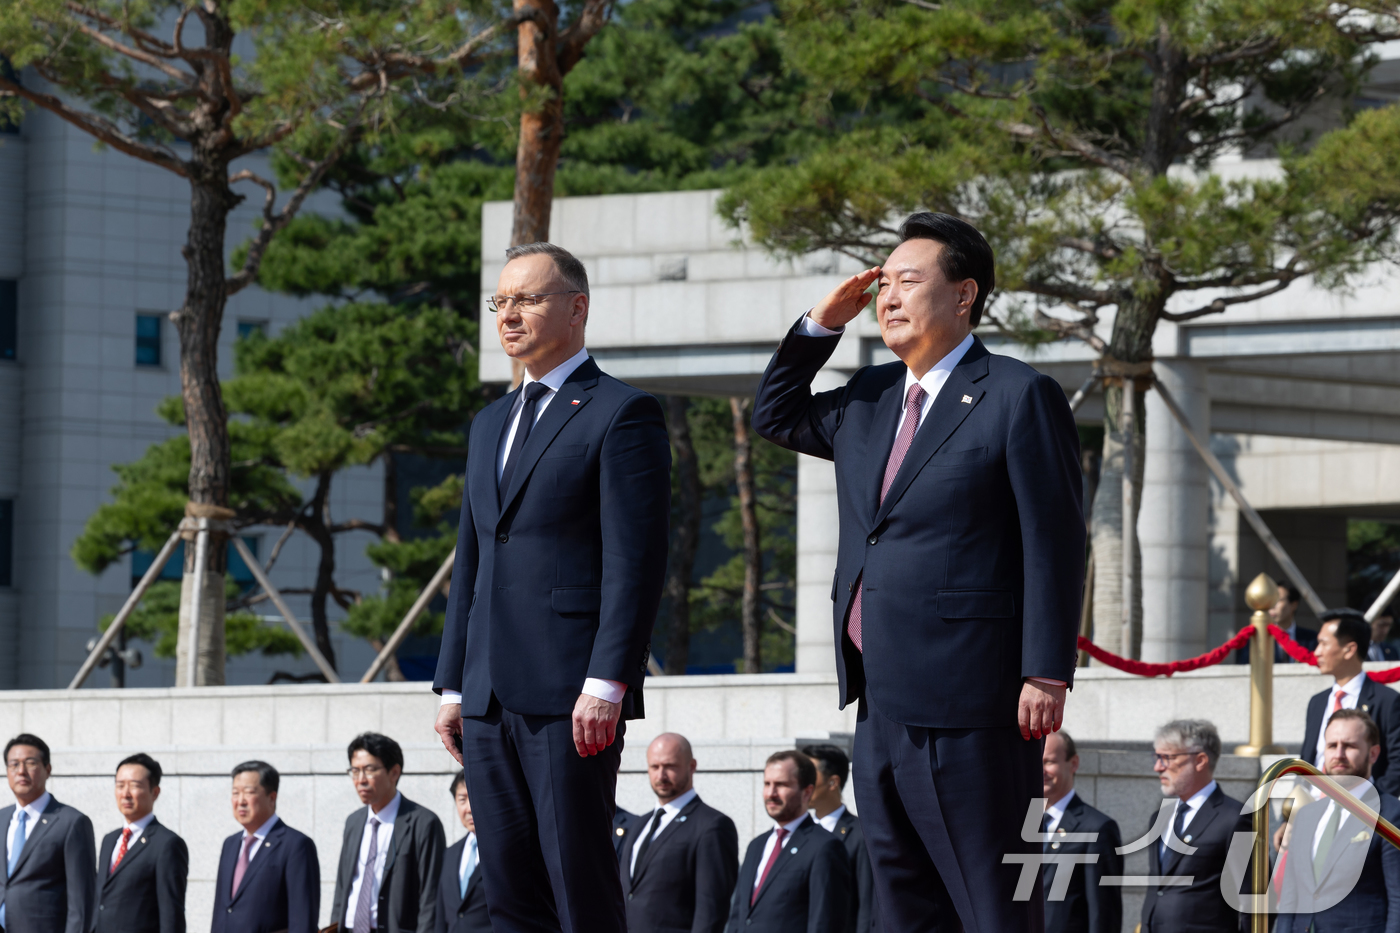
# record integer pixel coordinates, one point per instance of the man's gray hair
(1192, 735)
(571, 270)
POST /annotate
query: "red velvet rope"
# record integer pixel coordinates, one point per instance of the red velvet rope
(1145, 669)
(1303, 656)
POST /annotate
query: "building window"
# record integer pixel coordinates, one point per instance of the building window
(9, 318)
(148, 339)
(247, 329)
(7, 541)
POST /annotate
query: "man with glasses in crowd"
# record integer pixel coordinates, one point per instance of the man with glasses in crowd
(561, 557)
(49, 854)
(143, 867)
(391, 853)
(1195, 840)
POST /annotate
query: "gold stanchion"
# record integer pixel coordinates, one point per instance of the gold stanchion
(1261, 594)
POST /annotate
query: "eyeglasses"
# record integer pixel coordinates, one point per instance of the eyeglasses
(506, 302)
(369, 771)
(25, 764)
(1166, 760)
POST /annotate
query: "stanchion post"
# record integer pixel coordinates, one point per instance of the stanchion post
(1261, 594)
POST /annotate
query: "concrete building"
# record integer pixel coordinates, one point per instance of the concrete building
(90, 266)
(1299, 393)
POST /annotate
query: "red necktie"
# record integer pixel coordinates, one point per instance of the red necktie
(1337, 700)
(913, 405)
(768, 865)
(121, 850)
(241, 869)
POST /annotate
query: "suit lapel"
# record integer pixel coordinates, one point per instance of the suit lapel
(791, 846)
(48, 820)
(481, 458)
(674, 827)
(871, 470)
(1342, 845)
(134, 848)
(401, 823)
(948, 412)
(571, 398)
(1366, 698)
(350, 850)
(1196, 828)
(260, 858)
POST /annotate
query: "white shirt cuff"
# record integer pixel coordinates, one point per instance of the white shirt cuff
(450, 697)
(1042, 680)
(611, 690)
(810, 328)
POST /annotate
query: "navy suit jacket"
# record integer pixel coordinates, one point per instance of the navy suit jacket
(539, 603)
(146, 894)
(807, 889)
(1199, 906)
(863, 917)
(686, 879)
(1383, 705)
(53, 888)
(455, 913)
(1088, 906)
(973, 566)
(1357, 854)
(280, 891)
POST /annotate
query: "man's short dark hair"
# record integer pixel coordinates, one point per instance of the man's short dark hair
(267, 774)
(25, 738)
(966, 254)
(571, 270)
(831, 760)
(806, 771)
(1373, 731)
(458, 780)
(1352, 627)
(380, 746)
(1291, 592)
(152, 766)
(1071, 749)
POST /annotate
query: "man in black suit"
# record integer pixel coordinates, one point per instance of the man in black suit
(461, 899)
(561, 557)
(1079, 903)
(1340, 875)
(833, 770)
(48, 884)
(1381, 647)
(959, 572)
(1342, 644)
(391, 853)
(795, 877)
(678, 868)
(1282, 613)
(1195, 837)
(143, 867)
(269, 878)
(623, 824)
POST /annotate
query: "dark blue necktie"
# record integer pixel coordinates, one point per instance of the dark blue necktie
(533, 393)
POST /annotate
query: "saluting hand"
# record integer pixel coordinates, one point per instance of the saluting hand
(846, 301)
(595, 724)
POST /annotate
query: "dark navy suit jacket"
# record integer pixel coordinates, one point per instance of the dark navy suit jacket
(146, 894)
(1197, 907)
(558, 578)
(280, 891)
(807, 890)
(1373, 904)
(1088, 906)
(455, 913)
(974, 564)
(1382, 704)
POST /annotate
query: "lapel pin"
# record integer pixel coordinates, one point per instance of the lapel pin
(1187, 839)
(967, 400)
(794, 850)
(1361, 836)
(621, 831)
(1061, 831)
(1054, 845)
(574, 402)
(680, 819)
(1365, 708)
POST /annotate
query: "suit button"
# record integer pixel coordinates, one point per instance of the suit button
(503, 537)
(850, 587)
(873, 539)
(630, 896)
(1160, 893)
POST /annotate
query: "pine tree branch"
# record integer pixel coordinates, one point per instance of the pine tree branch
(1220, 304)
(572, 41)
(145, 58)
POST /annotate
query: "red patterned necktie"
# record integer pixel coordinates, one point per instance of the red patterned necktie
(913, 406)
(768, 865)
(121, 850)
(1337, 700)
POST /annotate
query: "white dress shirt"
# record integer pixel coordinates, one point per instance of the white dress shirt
(261, 834)
(772, 841)
(1351, 697)
(34, 811)
(1193, 806)
(611, 690)
(386, 819)
(669, 811)
(829, 821)
(1056, 811)
(137, 829)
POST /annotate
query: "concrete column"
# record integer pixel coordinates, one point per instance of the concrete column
(817, 534)
(1173, 523)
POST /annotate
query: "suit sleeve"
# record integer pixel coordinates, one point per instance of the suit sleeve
(452, 656)
(829, 890)
(716, 869)
(1042, 460)
(785, 411)
(342, 883)
(863, 889)
(635, 514)
(1389, 782)
(79, 864)
(431, 843)
(1105, 901)
(172, 876)
(303, 874)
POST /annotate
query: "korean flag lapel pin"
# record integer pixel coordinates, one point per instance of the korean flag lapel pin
(967, 400)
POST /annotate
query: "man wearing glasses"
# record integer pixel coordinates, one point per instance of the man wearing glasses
(48, 884)
(561, 556)
(391, 854)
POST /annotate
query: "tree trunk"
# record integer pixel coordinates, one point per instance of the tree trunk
(1106, 531)
(541, 123)
(197, 323)
(753, 557)
(685, 538)
(318, 528)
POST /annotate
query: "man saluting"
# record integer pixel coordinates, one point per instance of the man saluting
(959, 569)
